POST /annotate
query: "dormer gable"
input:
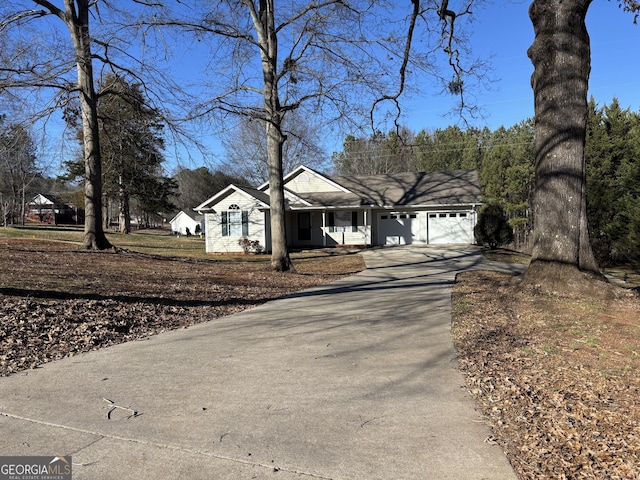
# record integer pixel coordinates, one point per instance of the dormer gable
(306, 180)
(247, 195)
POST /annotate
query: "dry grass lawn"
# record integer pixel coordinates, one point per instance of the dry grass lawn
(57, 300)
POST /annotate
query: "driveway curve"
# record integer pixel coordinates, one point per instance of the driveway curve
(352, 380)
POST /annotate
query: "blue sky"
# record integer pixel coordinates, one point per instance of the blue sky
(503, 32)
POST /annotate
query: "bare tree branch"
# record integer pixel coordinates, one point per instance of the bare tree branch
(403, 69)
(16, 17)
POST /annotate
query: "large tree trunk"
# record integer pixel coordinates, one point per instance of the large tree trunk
(280, 260)
(267, 37)
(77, 21)
(124, 217)
(561, 57)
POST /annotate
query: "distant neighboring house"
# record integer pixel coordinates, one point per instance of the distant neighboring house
(322, 210)
(49, 209)
(187, 219)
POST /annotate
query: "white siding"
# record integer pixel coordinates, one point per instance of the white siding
(215, 242)
(41, 200)
(309, 182)
(181, 222)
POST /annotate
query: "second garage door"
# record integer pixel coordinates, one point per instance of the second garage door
(450, 227)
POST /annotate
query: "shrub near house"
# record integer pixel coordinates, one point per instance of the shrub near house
(250, 246)
(493, 228)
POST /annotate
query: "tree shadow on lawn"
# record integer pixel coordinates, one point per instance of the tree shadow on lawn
(127, 299)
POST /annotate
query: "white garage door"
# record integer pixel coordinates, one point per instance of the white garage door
(397, 228)
(451, 227)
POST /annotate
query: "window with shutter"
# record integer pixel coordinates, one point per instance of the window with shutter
(235, 222)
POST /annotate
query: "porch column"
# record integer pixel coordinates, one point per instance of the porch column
(365, 213)
(324, 228)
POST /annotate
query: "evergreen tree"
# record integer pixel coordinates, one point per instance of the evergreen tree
(519, 180)
(441, 151)
(600, 189)
(495, 162)
(506, 175)
(613, 176)
(132, 146)
(474, 148)
(449, 149)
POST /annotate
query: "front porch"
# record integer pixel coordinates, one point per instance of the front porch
(329, 228)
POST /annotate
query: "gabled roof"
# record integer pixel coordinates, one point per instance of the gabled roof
(294, 199)
(193, 215)
(408, 189)
(262, 197)
(412, 189)
(256, 194)
(401, 190)
(47, 199)
(303, 169)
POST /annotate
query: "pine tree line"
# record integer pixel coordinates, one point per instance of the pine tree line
(505, 161)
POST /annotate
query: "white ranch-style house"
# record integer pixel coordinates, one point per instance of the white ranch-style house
(324, 211)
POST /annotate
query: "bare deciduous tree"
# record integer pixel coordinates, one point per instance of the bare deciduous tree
(196, 185)
(53, 69)
(18, 171)
(246, 147)
(329, 59)
(75, 15)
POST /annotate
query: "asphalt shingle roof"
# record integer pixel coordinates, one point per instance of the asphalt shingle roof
(255, 193)
(402, 189)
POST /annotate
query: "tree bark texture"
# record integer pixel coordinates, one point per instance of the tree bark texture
(561, 57)
(124, 215)
(264, 23)
(76, 18)
(280, 260)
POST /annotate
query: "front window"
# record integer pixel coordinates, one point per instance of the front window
(235, 222)
(343, 221)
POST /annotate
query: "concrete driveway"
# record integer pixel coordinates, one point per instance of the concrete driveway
(352, 380)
